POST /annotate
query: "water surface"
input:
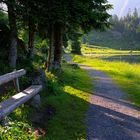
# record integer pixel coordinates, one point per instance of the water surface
(123, 58)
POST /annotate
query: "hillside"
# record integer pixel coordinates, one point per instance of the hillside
(111, 39)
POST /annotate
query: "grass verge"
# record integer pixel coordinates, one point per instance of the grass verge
(126, 75)
(70, 100)
(100, 50)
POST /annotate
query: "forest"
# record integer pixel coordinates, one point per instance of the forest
(124, 34)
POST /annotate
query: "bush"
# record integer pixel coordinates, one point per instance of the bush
(16, 131)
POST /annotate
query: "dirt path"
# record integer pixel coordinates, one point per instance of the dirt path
(110, 115)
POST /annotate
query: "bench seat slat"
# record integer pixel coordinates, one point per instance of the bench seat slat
(11, 76)
(15, 101)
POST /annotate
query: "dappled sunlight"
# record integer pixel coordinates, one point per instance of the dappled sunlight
(117, 106)
(97, 51)
(78, 93)
(20, 95)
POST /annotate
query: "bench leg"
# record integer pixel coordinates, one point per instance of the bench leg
(35, 101)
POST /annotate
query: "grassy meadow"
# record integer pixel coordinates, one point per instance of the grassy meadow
(126, 75)
(99, 50)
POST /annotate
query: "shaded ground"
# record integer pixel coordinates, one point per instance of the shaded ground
(110, 115)
(40, 119)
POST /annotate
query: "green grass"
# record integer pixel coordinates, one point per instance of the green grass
(71, 102)
(126, 75)
(99, 50)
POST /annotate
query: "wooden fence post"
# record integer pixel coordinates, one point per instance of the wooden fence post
(16, 84)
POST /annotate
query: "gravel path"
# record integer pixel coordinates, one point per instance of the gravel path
(110, 116)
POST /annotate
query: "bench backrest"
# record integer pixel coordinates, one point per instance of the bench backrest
(7, 106)
(11, 76)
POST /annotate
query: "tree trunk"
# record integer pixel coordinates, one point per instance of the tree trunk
(13, 34)
(58, 42)
(51, 48)
(31, 40)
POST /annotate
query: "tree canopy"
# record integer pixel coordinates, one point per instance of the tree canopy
(53, 19)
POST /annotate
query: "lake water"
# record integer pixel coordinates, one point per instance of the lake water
(124, 58)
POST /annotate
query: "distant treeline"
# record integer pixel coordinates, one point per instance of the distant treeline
(124, 33)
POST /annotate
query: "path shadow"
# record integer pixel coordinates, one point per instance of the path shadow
(118, 101)
(107, 124)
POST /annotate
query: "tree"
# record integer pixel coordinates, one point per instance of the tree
(27, 13)
(126, 29)
(55, 17)
(75, 38)
(13, 33)
(82, 14)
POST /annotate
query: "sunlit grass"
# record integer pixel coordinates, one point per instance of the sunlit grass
(78, 93)
(99, 50)
(126, 75)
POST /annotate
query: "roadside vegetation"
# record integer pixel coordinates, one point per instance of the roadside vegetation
(126, 75)
(70, 99)
(67, 93)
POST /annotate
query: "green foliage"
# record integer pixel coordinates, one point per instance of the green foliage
(18, 127)
(4, 68)
(9, 92)
(23, 35)
(4, 41)
(76, 47)
(43, 44)
(52, 84)
(16, 131)
(3, 18)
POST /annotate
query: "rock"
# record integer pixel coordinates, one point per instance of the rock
(4, 121)
(39, 78)
(75, 66)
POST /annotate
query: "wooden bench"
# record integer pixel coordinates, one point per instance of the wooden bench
(9, 105)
